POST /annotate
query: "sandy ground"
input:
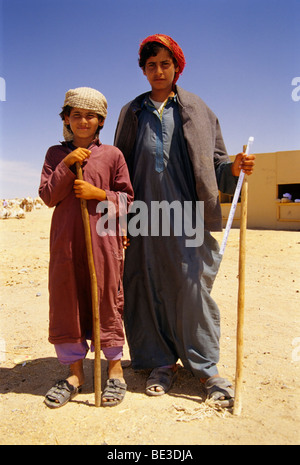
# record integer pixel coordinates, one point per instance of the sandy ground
(270, 396)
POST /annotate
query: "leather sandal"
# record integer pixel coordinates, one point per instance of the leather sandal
(114, 392)
(220, 390)
(160, 377)
(61, 393)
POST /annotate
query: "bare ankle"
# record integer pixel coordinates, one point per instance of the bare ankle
(115, 369)
(76, 377)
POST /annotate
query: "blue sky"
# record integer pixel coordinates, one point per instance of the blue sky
(242, 56)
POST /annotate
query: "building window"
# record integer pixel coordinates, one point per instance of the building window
(288, 192)
(288, 206)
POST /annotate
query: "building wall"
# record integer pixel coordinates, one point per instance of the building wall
(264, 209)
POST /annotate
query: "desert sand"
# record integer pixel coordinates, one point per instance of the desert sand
(270, 395)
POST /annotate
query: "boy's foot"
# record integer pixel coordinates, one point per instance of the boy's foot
(60, 394)
(76, 377)
(76, 380)
(66, 389)
(113, 393)
(115, 389)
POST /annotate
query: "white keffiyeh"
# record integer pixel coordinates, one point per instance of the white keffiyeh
(87, 99)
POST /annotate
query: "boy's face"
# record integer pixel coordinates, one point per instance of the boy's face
(84, 123)
(160, 71)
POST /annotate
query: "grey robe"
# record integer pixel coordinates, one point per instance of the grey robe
(169, 313)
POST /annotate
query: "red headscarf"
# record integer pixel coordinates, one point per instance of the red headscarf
(172, 46)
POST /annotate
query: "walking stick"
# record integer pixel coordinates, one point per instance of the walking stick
(237, 408)
(242, 185)
(94, 291)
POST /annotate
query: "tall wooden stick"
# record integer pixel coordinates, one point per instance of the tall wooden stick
(241, 301)
(94, 291)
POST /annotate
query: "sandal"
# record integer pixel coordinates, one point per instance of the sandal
(114, 392)
(60, 394)
(160, 377)
(220, 390)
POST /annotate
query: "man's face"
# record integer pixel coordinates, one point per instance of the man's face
(160, 70)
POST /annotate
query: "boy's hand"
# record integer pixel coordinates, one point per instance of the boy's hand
(79, 154)
(85, 190)
(243, 162)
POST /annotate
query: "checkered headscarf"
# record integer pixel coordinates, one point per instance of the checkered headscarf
(85, 98)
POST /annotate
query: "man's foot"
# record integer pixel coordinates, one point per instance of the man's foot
(161, 380)
(220, 390)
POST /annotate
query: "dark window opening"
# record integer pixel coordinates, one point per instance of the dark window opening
(289, 191)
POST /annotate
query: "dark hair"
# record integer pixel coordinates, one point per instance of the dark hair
(151, 49)
(66, 111)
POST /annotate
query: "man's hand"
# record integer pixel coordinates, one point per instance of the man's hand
(243, 162)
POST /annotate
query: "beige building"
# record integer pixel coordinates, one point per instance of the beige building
(273, 191)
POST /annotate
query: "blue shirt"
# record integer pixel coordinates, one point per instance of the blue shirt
(162, 168)
(157, 130)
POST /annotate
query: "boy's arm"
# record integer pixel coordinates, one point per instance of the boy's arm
(121, 193)
(56, 178)
(121, 184)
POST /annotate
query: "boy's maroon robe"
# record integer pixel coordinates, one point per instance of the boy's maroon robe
(69, 279)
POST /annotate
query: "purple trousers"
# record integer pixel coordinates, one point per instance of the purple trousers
(70, 353)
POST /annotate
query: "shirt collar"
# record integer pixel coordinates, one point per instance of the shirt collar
(147, 102)
(71, 146)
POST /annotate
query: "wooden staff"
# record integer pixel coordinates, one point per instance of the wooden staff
(94, 290)
(241, 300)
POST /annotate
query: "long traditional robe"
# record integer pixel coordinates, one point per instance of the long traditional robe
(69, 279)
(169, 312)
